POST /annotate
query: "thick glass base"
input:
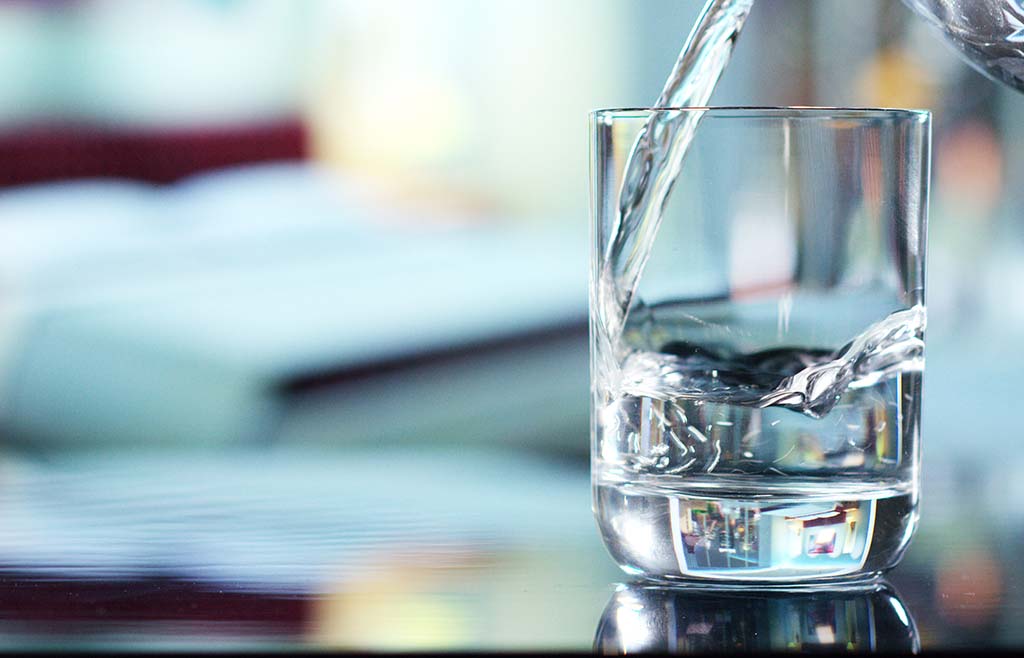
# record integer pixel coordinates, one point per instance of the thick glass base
(722, 530)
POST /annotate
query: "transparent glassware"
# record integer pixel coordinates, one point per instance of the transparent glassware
(988, 34)
(756, 404)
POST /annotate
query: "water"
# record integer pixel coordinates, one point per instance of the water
(808, 380)
(767, 463)
(989, 34)
(721, 451)
(657, 156)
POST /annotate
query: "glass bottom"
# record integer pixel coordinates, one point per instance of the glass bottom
(738, 530)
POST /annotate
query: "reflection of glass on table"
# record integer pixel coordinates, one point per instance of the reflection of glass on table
(643, 618)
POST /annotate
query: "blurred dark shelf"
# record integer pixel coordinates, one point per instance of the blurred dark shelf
(467, 353)
(44, 153)
(44, 602)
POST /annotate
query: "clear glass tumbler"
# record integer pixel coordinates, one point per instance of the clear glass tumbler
(756, 356)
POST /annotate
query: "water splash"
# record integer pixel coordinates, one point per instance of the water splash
(657, 155)
(807, 381)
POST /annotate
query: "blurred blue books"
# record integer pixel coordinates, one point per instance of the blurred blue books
(281, 303)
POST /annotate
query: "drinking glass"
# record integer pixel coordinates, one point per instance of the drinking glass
(757, 355)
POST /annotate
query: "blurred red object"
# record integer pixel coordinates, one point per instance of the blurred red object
(62, 606)
(49, 153)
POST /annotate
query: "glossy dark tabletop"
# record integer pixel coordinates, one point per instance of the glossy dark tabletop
(408, 549)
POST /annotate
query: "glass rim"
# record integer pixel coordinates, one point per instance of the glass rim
(769, 111)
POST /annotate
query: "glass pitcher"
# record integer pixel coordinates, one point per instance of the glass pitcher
(988, 34)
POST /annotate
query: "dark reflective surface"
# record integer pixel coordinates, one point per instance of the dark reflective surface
(406, 549)
(682, 620)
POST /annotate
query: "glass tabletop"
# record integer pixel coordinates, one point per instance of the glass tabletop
(433, 549)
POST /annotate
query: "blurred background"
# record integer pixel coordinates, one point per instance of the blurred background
(293, 309)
